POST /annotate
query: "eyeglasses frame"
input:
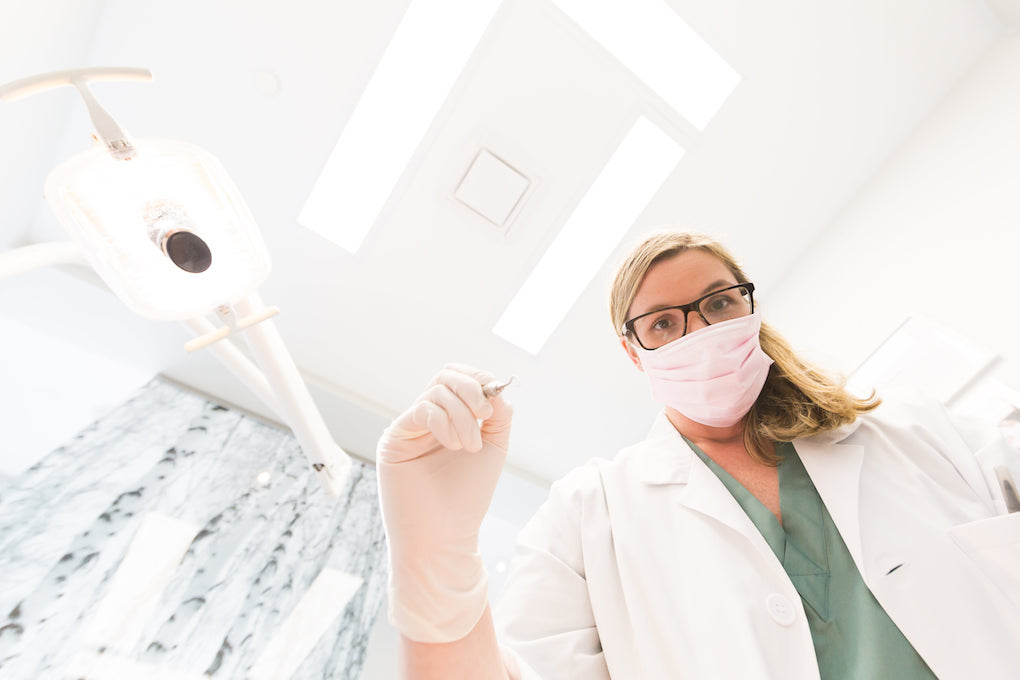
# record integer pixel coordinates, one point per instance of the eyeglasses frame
(628, 326)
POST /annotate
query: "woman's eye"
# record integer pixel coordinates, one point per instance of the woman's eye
(663, 325)
(721, 303)
(718, 304)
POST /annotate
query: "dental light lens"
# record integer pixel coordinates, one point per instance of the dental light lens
(188, 251)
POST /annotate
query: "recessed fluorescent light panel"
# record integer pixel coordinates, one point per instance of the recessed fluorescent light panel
(626, 184)
(651, 39)
(432, 44)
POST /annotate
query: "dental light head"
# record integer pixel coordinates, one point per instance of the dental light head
(165, 228)
(160, 221)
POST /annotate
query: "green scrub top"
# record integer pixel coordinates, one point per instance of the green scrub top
(852, 634)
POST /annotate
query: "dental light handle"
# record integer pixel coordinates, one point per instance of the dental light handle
(114, 138)
(278, 384)
(295, 405)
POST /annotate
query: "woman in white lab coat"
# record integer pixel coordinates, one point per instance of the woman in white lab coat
(771, 525)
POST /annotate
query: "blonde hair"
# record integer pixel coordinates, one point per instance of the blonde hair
(798, 399)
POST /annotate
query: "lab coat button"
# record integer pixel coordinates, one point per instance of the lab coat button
(781, 609)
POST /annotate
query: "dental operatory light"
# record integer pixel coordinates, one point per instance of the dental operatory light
(148, 214)
(167, 230)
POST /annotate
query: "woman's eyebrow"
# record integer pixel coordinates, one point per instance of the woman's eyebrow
(721, 283)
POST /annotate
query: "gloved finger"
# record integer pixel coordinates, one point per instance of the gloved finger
(463, 421)
(434, 418)
(502, 416)
(408, 425)
(468, 389)
(459, 425)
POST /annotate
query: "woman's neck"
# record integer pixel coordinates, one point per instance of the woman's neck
(706, 435)
(719, 443)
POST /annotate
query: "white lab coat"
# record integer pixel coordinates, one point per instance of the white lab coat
(646, 567)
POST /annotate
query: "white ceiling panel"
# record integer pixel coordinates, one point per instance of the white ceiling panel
(828, 91)
(1007, 12)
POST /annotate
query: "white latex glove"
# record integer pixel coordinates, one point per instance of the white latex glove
(437, 470)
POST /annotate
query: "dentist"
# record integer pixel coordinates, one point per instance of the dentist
(771, 525)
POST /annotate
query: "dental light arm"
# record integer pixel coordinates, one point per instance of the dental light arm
(115, 139)
(167, 230)
(27, 258)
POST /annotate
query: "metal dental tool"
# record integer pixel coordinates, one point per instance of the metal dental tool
(495, 387)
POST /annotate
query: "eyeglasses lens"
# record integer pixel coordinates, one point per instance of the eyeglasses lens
(655, 330)
(726, 305)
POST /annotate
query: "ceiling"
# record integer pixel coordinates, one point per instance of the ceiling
(828, 92)
(1007, 12)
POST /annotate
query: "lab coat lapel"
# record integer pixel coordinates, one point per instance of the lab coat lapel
(835, 469)
(667, 460)
(704, 493)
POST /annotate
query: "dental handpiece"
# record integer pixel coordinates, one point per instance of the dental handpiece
(493, 388)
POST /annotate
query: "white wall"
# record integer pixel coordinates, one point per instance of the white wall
(52, 383)
(36, 37)
(51, 388)
(937, 233)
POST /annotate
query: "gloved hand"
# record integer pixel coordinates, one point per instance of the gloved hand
(437, 470)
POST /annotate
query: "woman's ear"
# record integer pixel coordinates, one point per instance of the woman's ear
(629, 349)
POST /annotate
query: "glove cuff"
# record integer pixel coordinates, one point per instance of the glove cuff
(435, 603)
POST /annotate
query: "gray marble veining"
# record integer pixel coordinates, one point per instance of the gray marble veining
(66, 524)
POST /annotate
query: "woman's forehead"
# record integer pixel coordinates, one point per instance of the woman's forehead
(679, 279)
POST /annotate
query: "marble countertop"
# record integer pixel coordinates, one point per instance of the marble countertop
(238, 530)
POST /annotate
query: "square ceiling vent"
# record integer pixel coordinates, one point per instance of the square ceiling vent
(492, 188)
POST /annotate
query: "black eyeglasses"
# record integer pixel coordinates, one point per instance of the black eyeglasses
(654, 329)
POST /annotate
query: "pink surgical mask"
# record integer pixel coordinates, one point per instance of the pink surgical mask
(712, 376)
